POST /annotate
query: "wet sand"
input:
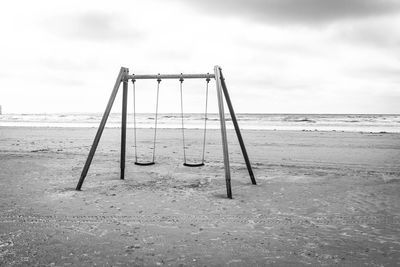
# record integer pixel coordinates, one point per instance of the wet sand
(322, 198)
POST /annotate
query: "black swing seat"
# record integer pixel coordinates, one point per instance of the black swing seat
(193, 164)
(144, 163)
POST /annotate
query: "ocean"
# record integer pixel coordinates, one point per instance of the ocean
(389, 123)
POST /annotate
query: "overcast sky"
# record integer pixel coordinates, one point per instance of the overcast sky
(278, 56)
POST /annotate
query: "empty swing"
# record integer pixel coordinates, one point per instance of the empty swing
(155, 125)
(183, 126)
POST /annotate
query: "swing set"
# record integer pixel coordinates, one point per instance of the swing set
(124, 77)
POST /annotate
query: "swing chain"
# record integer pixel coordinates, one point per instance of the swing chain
(156, 117)
(182, 123)
(134, 117)
(205, 119)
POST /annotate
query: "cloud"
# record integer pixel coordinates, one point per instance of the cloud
(95, 26)
(379, 33)
(63, 63)
(66, 81)
(300, 11)
(389, 74)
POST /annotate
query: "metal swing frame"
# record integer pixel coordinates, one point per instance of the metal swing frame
(222, 91)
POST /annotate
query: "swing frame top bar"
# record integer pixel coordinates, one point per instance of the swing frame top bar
(170, 76)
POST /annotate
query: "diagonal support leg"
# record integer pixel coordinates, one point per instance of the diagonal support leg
(237, 129)
(123, 127)
(223, 131)
(121, 75)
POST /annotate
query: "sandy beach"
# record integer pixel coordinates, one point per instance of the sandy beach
(322, 198)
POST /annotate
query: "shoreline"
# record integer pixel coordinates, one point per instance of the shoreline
(297, 122)
(197, 129)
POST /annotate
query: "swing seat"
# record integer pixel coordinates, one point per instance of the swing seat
(193, 164)
(144, 163)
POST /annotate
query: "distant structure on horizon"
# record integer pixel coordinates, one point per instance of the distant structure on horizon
(0, 110)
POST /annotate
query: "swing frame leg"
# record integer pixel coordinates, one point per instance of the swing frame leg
(237, 129)
(217, 72)
(123, 127)
(121, 76)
